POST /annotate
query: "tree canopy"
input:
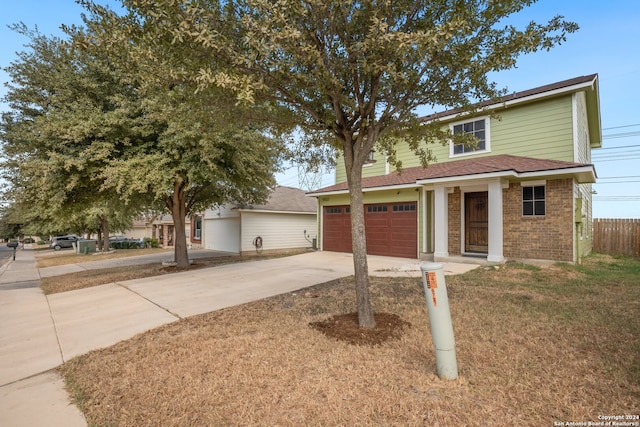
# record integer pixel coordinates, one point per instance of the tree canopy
(203, 148)
(62, 130)
(92, 135)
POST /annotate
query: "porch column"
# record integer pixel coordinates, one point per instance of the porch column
(495, 222)
(441, 222)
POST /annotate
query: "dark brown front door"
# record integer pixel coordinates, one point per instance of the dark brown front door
(476, 222)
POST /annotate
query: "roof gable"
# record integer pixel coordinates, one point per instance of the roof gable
(588, 84)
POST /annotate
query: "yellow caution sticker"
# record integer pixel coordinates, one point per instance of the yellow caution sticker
(432, 284)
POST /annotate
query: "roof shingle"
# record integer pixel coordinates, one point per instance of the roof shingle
(459, 168)
(287, 199)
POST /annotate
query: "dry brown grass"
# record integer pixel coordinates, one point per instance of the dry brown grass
(534, 346)
(64, 257)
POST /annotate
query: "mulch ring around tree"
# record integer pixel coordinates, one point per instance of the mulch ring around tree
(345, 327)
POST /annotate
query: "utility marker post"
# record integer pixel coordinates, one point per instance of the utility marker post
(435, 289)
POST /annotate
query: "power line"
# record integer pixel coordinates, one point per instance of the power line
(616, 182)
(617, 148)
(617, 198)
(620, 127)
(615, 159)
(621, 135)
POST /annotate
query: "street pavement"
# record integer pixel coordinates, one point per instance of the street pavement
(39, 333)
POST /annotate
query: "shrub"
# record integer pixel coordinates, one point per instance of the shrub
(151, 243)
(126, 244)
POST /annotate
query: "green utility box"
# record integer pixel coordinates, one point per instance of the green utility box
(86, 246)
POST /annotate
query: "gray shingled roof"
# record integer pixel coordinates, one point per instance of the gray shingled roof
(288, 199)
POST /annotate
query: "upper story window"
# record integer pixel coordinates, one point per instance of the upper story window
(370, 159)
(479, 129)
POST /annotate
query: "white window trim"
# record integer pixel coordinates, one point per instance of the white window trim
(537, 183)
(487, 137)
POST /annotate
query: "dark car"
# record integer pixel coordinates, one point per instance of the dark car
(61, 242)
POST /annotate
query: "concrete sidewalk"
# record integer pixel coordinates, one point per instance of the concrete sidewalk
(38, 333)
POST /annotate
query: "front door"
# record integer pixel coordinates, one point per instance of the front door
(476, 222)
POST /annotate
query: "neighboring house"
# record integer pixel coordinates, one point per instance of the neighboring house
(522, 193)
(159, 227)
(288, 220)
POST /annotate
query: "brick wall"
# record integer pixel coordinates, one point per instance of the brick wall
(548, 237)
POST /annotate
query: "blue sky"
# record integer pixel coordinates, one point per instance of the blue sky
(607, 43)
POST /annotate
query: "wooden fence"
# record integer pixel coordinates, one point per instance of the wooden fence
(617, 236)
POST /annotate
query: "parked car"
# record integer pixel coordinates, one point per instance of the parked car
(60, 242)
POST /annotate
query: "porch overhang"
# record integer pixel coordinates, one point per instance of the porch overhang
(582, 175)
(502, 166)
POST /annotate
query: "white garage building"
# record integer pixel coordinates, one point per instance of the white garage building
(288, 220)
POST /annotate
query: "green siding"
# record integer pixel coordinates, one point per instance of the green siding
(373, 169)
(541, 130)
(341, 174)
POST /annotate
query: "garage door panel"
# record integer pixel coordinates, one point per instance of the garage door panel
(336, 235)
(391, 229)
(376, 222)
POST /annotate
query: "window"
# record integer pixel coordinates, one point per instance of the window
(479, 129)
(377, 208)
(404, 208)
(533, 200)
(370, 158)
(334, 210)
(197, 228)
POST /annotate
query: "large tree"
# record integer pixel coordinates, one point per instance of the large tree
(352, 73)
(69, 118)
(198, 152)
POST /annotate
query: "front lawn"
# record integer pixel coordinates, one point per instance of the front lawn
(535, 345)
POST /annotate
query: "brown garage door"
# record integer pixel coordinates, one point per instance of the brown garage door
(392, 229)
(336, 234)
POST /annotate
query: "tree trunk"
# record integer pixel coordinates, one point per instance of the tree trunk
(104, 226)
(177, 205)
(359, 246)
(99, 243)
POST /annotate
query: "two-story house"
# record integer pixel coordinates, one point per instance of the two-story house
(523, 192)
